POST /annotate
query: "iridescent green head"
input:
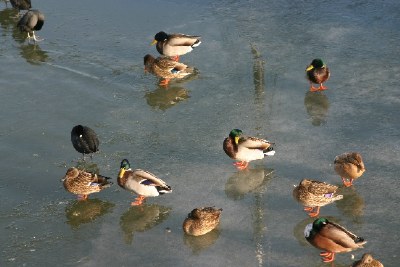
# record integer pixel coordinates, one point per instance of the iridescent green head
(319, 223)
(316, 64)
(235, 134)
(125, 164)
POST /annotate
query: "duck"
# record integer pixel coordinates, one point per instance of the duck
(140, 182)
(175, 44)
(349, 166)
(21, 4)
(367, 261)
(315, 194)
(201, 220)
(84, 140)
(244, 149)
(83, 183)
(166, 68)
(317, 72)
(30, 22)
(332, 238)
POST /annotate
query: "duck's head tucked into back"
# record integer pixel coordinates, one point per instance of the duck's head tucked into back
(332, 238)
(202, 220)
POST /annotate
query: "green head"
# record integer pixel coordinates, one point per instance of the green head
(319, 223)
(312, 228)
(316, 64)
(235, 134)
(124, 167)
(125, 164)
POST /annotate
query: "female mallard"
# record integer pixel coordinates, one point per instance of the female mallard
(367, 261)
(245, 148)
(317, 72)
(315, 194)
(201, 221)
(175, 44)
(83, 183)
(166, 68)
(349, 166)
(332, 238)
(84, 140)
(143, 183)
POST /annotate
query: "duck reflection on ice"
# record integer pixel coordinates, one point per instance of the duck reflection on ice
(247, 181)
(142, 218)
(317, 106)
(199, 243)
(352, 205)
(164, 98)
(33, 54)
(82, 212)
(8, 18)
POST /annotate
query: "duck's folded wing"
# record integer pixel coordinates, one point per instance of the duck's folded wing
(147, 178)
(341, 236)
(182, 40)
(321, 188)
(253, 142)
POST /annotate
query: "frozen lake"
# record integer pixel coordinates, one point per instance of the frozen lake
(89, 70)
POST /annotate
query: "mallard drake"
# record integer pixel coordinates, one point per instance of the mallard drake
(30, 22)
(175, 44)
(317, 72)
(245, 148)
(140, 182)
(367, 261)
(166, 68)
(349, 166)
(332, 238)
(315, 194)
(83, 183)
(84, 140)
(202, 220)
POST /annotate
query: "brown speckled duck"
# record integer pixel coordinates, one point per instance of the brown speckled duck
(332, 238)
(166, 68)
(367, 261)
(349, 166)
(83, 183)
(317, 72)
(175, 44)
(245, 148)
(201, 221)
(315, 194)
(140, 182)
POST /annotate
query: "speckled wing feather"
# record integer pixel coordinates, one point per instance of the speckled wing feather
(321, 188)
(165, 63)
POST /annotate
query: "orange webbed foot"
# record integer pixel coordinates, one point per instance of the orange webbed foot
(313, 89)
(322, 88)
(175, 58)
(138, 201)
(313, 213)
(241, 165)
(164, 82)
(347, 183)
(327, 256)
